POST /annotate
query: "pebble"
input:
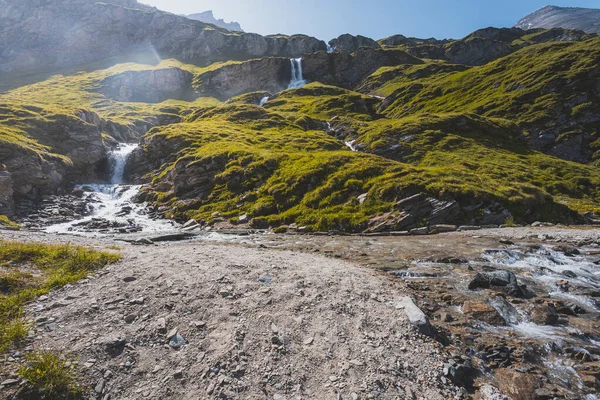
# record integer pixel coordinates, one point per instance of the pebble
(172, 333)
(100, 386)
(129, 279)
(130, 318)
(9, 382)
(309, 341)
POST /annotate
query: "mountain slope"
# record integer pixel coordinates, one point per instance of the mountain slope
(551, 90)
(585, 19)
(67, 33)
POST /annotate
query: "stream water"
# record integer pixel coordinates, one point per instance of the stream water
(113, 208)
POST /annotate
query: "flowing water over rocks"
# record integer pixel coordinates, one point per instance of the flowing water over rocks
(110, 208)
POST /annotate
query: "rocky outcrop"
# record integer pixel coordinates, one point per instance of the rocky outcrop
(268, 74)
(151, 86)
(585, 19)
(61, 33)
(208, 18)
(351, 43)
(348, 70)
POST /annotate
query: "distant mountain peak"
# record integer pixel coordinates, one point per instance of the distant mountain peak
(208, 18)
(585, 19)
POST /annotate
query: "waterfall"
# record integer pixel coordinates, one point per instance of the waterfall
(330, 48)
(118, 160)
(264, 100)
(297, 78)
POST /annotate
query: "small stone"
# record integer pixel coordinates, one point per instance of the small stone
(309, 341)
(129, 279)
(100, 386)
(198, 324)
(274, 329)
(172, 333)
(357, 362)
(177, 341)
(333, 378)
(89, 363)
(139, 301)
(130, 318)
(354, 396)
(161, 325)
(9, 382)
(178, 374)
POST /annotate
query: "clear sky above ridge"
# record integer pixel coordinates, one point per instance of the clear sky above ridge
(377, 19)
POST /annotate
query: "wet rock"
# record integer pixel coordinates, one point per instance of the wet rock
(501, 279)
(461, 374)
(567, 250)
(506, 310)
(483, 312)
(544, 314)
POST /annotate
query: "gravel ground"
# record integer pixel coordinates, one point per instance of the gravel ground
(253, 323)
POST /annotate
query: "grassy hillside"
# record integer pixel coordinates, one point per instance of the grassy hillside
(268, 165)
(547, 88)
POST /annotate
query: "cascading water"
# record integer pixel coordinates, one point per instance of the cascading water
(118, 160)
(263, 101)
(113, 208)
(297, 76)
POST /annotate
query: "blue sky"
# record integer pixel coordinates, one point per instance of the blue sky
(327, 19)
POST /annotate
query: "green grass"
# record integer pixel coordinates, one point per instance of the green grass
(245, 159)
(28, 270)
(50, 376)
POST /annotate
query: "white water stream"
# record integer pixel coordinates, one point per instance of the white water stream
(114, 202)
(297, 76)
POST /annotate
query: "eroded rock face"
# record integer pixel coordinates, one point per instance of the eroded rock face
(35, 35)
(351, 43)
(268, 74)
(153, 86)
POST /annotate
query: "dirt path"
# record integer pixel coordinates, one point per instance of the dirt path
(257, 324)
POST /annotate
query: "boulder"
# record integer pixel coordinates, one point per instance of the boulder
(501, 279)
(482, 312)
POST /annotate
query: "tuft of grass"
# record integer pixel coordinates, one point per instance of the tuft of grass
(6, 222)
(28, 270)
(50, 375)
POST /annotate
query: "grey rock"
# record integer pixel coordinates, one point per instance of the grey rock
(177, 341)
(416, 317)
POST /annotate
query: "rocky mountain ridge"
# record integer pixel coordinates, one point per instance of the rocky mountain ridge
(208, 18)
(584, 19)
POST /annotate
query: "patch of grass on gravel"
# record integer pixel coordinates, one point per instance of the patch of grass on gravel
(28, 270)
(6, 222)
(50, 375)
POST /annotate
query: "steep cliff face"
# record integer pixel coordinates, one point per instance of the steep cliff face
(585, 19)
(60, 33)
(267, 74)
